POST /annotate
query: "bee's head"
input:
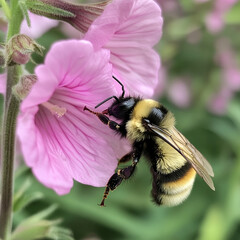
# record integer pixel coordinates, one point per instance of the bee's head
(122, 107)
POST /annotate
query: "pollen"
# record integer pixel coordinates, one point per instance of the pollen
(55, 109)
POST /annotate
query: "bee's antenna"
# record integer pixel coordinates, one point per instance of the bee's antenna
(106, 101)
(123, 90)
(123, 93)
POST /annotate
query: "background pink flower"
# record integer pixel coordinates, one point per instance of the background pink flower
(215, 19)
(129, 29)
(60, 141)
(230, 77)
(179, 92)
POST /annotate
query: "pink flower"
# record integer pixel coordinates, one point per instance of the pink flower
(60, 141)
(215, 19)
(179, 93)
(214, 22)
(39, 25)
(169, 6)
(230, 77)
(129, 29)
(219, 101)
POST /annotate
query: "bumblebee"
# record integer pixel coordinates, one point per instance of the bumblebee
(150, 127)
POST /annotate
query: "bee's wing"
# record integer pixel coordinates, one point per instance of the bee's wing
(176, 140)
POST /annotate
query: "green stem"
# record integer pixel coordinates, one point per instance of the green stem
(8, 138)
(11, 108)
(16, 19)
(6, 9)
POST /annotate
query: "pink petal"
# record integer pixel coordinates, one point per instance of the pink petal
(36, 155)
(77, 145)
(3, 79)
(137, 21)
(138, 68)
(129, 29)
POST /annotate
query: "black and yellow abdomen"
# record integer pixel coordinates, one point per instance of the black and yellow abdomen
(173, 176)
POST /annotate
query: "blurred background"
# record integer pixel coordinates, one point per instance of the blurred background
(199, 83)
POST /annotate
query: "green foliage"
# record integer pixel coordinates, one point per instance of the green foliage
(45, 9)
(24, 8)
(34, 226)
(233, 16)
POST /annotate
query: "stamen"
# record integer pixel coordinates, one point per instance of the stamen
(55, 109)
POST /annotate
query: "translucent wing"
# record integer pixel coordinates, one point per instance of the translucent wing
(176, 140)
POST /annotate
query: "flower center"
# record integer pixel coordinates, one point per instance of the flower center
(55, 109)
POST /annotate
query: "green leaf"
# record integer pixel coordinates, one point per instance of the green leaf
(25, 200)
(234, 112)
(213, 225)
(24, 9)
(225, 130)
(58, 233)
(46, 9)
(32, 230)
(41, 215)
(36, 227)
(233, 16)
(181, 27)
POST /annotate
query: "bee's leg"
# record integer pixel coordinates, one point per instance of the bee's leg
(124, 173)
(104, 119)
(125, 158)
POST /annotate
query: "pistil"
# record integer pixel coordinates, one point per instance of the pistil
(55, 109)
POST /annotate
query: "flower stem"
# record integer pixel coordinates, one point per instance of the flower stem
(16, 19)
(11, 108)
(8, 145)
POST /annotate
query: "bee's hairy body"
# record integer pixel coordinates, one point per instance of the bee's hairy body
(151, 129)
(173, 176)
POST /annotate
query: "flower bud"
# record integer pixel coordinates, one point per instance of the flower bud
(24, 86)
(19, 49)
(79, 16)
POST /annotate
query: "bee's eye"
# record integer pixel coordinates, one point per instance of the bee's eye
(157, 115)
(121, 109)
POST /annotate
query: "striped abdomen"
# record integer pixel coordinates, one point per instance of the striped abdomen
(173, 176)
(173, 188)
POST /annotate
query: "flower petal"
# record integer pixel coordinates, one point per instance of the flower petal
(129, 29)
(76, 145)
(138, 68)
(137, 21)
(3, 80)
(51, 173)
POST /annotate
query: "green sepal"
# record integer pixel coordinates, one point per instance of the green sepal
(24, 9)
(23, 198)
(47, 10)
(41, 215)
(36, 227)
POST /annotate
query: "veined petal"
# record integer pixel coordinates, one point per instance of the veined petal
(137, 67)
(71, 70)
(129, 29)
(75, 144)
(46, 165)
(139, 21)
